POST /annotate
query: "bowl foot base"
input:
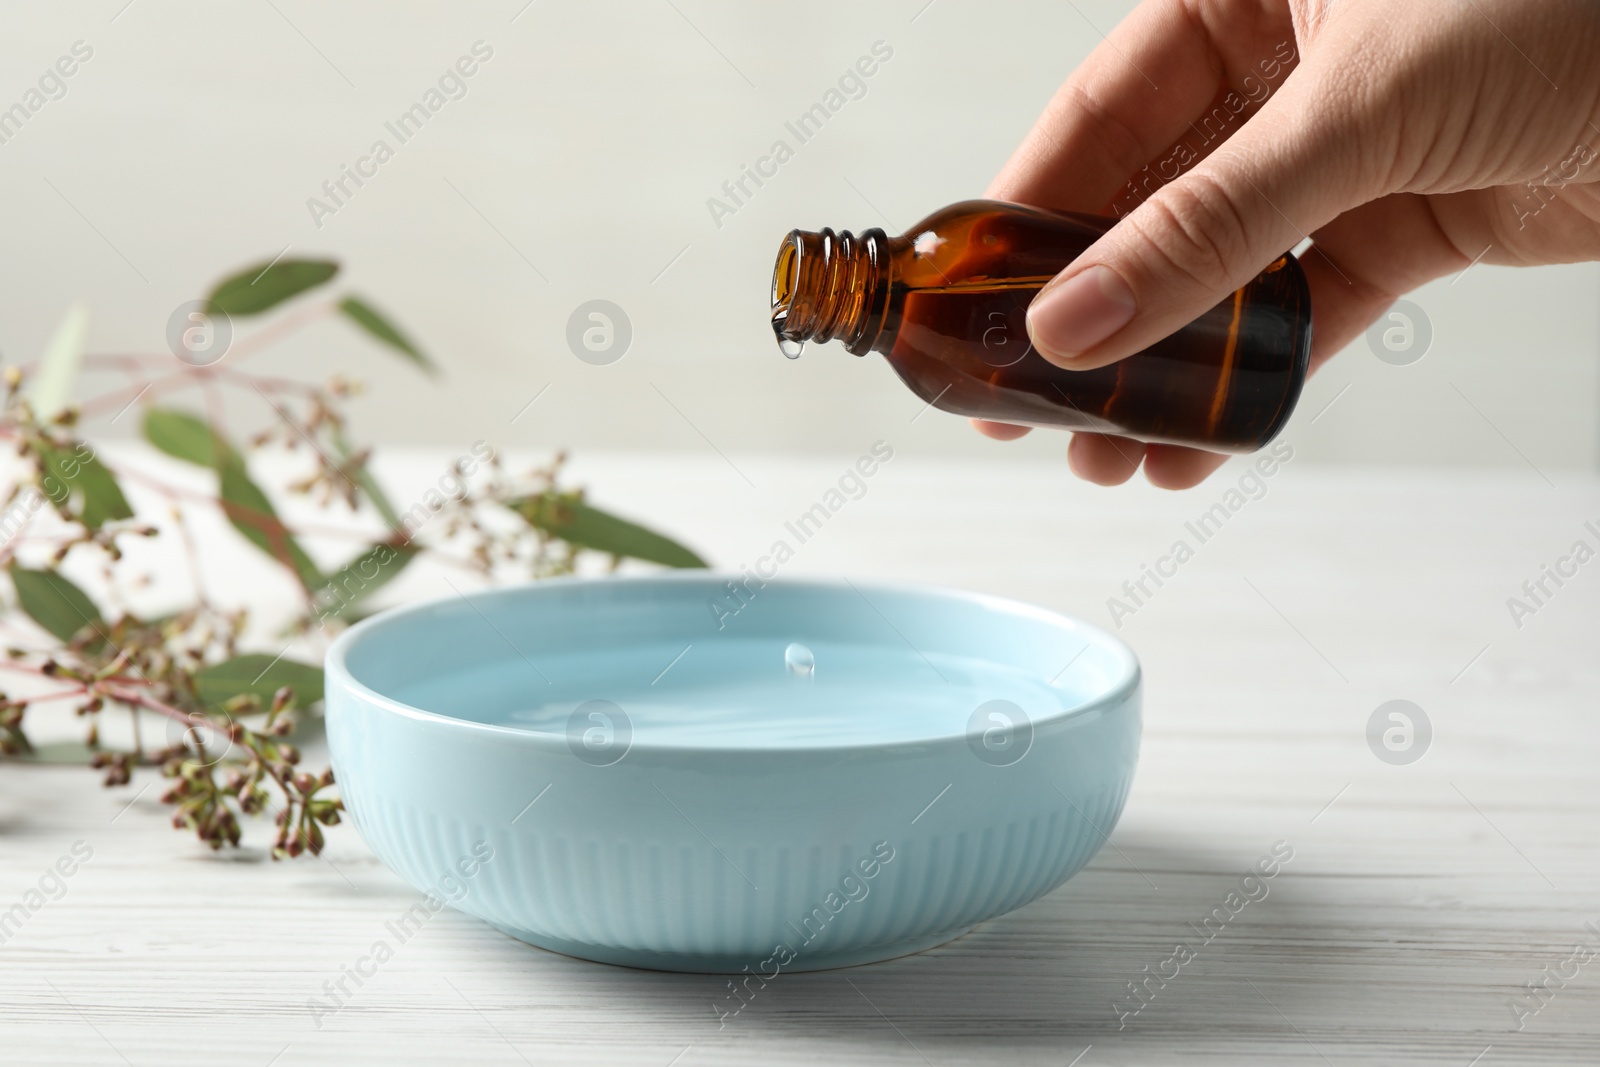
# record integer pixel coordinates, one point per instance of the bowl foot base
(694, 963)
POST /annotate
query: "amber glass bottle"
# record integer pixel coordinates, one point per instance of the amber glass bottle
(945, 304)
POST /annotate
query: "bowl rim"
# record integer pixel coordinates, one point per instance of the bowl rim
(338, 673)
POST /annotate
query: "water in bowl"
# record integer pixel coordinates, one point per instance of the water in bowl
(733, 693)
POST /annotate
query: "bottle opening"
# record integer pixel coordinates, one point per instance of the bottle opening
(783, 275)
(828, 285)
(784, 280)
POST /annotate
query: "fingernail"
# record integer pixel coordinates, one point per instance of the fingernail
(1078, 314)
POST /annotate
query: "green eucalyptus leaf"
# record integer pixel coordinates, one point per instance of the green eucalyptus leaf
(309, 728)
(252, 514)
(364, 480)
(54, 602)
(57, 753)
(258, 674)
(380, 500)
(370, 319)
(359, 579)
(266, 285)
(52, 384)
(80, 471)
(576, 522)
(102, 496)
(180, 434)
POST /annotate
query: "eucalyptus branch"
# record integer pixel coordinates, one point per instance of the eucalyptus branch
(235, 713)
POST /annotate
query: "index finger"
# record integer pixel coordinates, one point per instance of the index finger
(1138, 94)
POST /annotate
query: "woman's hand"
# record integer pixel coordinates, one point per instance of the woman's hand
(1407, 140)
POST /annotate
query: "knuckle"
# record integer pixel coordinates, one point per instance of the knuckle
(1196, 228)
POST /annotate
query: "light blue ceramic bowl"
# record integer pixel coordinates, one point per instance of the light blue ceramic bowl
(625, 769)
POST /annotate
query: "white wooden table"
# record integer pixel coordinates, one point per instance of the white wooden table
(1419, 902)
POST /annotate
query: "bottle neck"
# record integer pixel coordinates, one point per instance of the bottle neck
(829, 285)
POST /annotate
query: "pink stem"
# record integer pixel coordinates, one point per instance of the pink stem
(58, 695)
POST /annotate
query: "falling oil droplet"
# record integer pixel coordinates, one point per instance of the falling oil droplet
(799, 660)
(787, 345)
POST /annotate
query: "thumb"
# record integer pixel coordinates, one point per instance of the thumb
(1199, 238)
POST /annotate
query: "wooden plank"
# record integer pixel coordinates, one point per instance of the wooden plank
(1419, 901)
